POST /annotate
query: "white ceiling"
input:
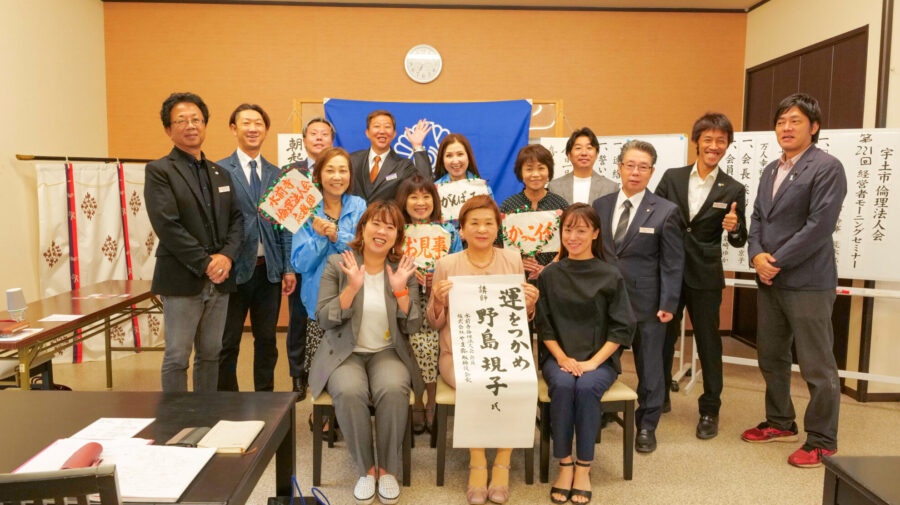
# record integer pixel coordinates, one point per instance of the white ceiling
(733, 5)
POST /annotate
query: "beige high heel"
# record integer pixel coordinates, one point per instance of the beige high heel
(477, 495)
(499, 494)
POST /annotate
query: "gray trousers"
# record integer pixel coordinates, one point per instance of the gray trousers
(193, 323)
(378, 379)
(804, 317)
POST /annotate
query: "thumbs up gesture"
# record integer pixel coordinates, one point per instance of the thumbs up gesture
(730, 223)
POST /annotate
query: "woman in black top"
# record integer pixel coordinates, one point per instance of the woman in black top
(583, 318)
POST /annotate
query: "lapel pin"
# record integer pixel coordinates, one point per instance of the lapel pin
(721, 184)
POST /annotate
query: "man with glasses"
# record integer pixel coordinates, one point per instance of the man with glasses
(200, 228)
(641, 235)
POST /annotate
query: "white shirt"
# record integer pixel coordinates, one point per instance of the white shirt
(374, 331)
(581, 189)
(245, 159)
(635, 200)
(698, 189)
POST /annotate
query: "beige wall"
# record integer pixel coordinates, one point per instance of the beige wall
(773, 30)
(780, 27)
(619, 72)
(53, 98)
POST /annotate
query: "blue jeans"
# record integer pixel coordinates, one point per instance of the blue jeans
(575, 407)
(193, 323)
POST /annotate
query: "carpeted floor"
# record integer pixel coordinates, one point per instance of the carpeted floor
(683, 469)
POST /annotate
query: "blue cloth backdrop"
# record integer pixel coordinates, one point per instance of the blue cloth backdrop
(496, 130)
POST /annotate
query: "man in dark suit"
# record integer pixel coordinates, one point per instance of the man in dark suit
(791, 247)
(641, 235)
(191, 208)
(262, 269)
(318, 135)
(710, 201)
(378, 170)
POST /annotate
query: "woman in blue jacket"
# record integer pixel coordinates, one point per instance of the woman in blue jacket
(328, 231)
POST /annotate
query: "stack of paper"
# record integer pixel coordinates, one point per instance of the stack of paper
(232, 436)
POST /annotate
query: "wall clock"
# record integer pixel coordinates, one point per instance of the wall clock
(423, 63)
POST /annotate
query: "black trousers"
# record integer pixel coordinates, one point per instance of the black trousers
(648, 351)
(263, 300)
(296, 334)
(804, 318)
(703, 307)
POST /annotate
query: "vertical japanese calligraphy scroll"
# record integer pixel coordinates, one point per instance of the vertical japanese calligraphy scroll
(496, 381)
(865, 239)
(290, 148)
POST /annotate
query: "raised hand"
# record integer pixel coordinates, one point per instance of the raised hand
(405, 269)
(730, 223)
(356, 273)
(417, 134)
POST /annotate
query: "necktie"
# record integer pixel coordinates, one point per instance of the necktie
(254, 180)
(622, 226)
(374, 173)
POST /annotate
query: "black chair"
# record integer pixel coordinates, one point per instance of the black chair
(78, 484)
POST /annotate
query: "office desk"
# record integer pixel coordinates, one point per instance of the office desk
(31, 420)
(98, 315)
(862, 480)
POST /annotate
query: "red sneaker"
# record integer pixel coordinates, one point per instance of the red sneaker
(809, 456)
(764, 432)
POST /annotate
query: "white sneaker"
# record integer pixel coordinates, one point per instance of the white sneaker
(364, 491)
(388, 489)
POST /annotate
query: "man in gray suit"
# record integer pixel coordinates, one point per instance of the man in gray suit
(582, 184)
(378, 171)
(263, 268)
(791, 246)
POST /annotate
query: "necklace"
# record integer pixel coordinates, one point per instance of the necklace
(476, 265)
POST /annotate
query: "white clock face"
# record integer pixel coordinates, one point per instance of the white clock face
(423, 63)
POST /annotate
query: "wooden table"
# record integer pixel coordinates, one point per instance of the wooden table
(862, 480)
(34, 419)
(98, 315)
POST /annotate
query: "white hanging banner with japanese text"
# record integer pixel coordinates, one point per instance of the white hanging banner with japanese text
(496, 381)
(864, 239)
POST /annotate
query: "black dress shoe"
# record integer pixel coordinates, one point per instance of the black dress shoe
(708, 427)
(299, 387)
(645, 441)
(667, 406)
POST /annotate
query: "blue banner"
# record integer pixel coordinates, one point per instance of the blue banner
(496, 130)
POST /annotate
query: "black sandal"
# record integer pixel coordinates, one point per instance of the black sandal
(581, 492)
(565, 492)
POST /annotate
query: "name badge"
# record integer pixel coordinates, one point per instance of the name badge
(720, 205)
(645, 230)
(390, 177)
(224, 189)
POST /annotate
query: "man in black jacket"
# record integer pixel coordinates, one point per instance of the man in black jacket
(189, 202)
(710, 201)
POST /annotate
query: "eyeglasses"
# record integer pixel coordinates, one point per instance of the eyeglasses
(181, 123)
(631, 167)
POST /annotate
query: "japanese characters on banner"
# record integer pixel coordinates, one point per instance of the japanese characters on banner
(454, 195)
(496, 381)
(532, 232)
(426, 243)
(290, 148)
(291, 200)
(671, 152)
(864, 240)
